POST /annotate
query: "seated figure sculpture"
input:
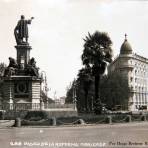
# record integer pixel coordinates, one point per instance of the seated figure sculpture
(32, 70)
(12, 67)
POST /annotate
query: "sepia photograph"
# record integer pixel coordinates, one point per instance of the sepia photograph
(73, 73)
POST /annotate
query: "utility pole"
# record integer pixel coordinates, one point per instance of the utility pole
(74, 95)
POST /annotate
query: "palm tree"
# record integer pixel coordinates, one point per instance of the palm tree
(96, 54)
(84, 78)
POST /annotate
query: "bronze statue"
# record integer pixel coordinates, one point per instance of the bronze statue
(21, 30)
(32, 70)
(12, 67)
(12, 63)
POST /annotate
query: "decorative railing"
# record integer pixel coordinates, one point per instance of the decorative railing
(54, 105)
(20, 106)
(33, 106)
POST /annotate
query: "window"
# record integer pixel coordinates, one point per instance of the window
(131, 79)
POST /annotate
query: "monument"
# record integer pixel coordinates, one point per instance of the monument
(22, 83)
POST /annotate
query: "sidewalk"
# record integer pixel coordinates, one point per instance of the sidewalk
(113, 125)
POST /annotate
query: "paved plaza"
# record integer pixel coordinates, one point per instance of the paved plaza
(118, 135)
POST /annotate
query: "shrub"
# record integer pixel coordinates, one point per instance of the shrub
(42, 122)
(2, 114)
(36, 115)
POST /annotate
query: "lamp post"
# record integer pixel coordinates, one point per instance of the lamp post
(10, 96)
(74, 94)
(92, 103)
(45, 87)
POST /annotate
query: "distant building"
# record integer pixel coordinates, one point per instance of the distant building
(60, 100)
(135, 68)
(57, 101)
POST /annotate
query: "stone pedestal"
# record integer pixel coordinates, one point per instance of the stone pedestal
(22, 92)
(23, 54)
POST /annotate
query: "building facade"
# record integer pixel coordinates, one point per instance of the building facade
(135, 68)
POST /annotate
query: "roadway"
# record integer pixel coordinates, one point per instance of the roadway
(115, 136)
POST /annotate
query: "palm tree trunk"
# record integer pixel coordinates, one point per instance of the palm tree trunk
(97, 102)
(97, 79)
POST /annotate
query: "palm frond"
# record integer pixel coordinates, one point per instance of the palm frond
(97, 47)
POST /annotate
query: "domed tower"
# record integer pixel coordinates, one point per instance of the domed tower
(125, 59)
(126, 47)
(126, 66)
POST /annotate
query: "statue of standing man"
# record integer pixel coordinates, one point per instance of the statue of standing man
(21, 30)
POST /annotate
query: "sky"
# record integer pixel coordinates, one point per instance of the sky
(56, 34)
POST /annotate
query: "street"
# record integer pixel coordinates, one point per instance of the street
(117, 135)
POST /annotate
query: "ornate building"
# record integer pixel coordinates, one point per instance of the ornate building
(135, 68)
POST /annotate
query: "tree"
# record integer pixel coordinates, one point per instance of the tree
(85, 80)
(82, 86)
(69, 94)
(96, 54)
(114, 90)
(2, 69)
(44, 97)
